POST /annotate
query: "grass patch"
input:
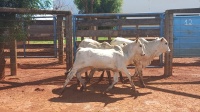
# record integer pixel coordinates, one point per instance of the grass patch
(64, 41)
(99, 38)
(41, 42)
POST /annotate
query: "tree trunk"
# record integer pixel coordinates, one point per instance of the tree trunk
(2, 61)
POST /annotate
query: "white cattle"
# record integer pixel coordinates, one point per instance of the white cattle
(152, 49)
(106, 59)
(120, 40)
(90, 43)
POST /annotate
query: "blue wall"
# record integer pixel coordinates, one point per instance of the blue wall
(186, 36)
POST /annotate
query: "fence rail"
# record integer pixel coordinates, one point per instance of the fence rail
(117, 25)
(37, 32)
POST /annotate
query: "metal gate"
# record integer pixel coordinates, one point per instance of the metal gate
(123, 25)
(41, 39)
(186, 35)
(42, 31)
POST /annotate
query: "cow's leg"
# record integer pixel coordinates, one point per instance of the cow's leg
(137, 68)
(69, 77)
(109, 77)
(115, 80)
(121, 77)
(101, 76)
(90, 75)
(86, 75)
(140, 73)
(66, 73)
(135, 74)
(78, 75)
(129, 78)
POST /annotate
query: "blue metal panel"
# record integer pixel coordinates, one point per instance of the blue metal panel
(186, 36)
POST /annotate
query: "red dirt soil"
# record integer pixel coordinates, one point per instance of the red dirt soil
(39, 81)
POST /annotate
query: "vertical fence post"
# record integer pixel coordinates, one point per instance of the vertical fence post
(119, 28)
(13, 57)
(69, 48)
(60, 34)
(2, 60)
(55, 36)
(162, 16)
(94, 28)
(169, 37)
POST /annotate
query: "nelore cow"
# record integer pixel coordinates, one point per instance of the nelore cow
(152, 49)
(90, 43)
(115, 59)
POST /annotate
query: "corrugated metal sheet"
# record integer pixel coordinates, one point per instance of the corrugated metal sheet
(186, 36)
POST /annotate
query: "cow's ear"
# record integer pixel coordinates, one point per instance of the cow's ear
(162, 39)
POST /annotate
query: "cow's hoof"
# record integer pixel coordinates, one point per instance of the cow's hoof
(143, 86)
(136, 93)
(82, 88)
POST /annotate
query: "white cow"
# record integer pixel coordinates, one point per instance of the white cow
(152, 49)
(90, 43)
(87, 42)
(107, 59)
(120, 40)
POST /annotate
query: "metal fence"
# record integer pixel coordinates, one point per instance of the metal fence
(40, 40)
(109, 26)
(63, 26)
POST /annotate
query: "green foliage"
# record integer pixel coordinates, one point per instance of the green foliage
(13, 23)
(110, 6)
(99, 6)
(36, 4)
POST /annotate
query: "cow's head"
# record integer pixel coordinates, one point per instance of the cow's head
(139, 48)
(163, 47)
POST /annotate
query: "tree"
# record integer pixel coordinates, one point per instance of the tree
(10, 29)
(59, 5)
(98, 6)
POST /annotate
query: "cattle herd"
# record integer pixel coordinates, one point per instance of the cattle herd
(116, 56)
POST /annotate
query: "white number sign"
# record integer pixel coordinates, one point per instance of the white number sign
(188, 22)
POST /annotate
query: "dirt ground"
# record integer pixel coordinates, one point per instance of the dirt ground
(39, 81)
